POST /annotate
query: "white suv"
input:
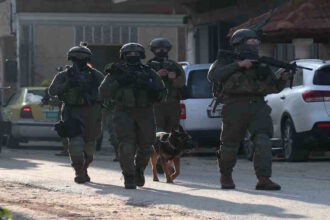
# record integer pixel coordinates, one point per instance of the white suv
(301, 114)
(196, 115)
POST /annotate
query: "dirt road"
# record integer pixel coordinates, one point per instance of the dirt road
(35, 184)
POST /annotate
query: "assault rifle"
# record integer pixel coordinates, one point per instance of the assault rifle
(289, 67)
(165, 64)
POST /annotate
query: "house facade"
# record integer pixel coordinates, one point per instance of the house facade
(44, 31)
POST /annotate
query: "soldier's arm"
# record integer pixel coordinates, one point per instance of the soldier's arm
(180, 80)
(108, 87)
(159, 87)
(221, 71)
(59, 84)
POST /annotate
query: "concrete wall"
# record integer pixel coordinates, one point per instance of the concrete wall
(4, 18)
(51, 44)
(146, 34)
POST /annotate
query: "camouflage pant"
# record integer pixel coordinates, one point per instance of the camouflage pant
(112, 134)
(167, 115)
(237, 118)
(80, 150)
(135, 131)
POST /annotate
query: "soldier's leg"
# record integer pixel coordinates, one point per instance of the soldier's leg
(113, 138)
(76, 148)
(146, 136)
(261, 130)
(172, 116)
(89, 151)
(124, 127)
(234, 126)
(160, 121)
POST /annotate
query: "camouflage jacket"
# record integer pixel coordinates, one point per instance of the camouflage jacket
(172, 85)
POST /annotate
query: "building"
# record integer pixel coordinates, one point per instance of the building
(41, 32)
(298, 29)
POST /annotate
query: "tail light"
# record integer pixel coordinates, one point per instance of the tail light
(182, 111)
(323, 125)
(26, 112)
(316, 96)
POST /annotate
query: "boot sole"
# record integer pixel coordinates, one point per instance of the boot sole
(268, 189)
(228, 187)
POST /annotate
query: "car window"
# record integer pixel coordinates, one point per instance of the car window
(198, 85)
(34, 96)
(13, 99)
(298, 78)
(322, 76)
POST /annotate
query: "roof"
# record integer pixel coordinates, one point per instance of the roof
(303, 19)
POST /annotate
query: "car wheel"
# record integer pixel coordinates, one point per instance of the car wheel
(292, 147)
(99, 142)
(12, 142)
(248, 147)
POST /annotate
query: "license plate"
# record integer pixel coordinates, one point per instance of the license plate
(51, 115)
(215, 114)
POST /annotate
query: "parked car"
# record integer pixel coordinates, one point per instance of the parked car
(32, 118)
(196, 115)
(301, 114)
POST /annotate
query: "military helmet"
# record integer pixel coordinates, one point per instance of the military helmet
(132, 47)
(81, 52)
(160, 43)
(241, 35)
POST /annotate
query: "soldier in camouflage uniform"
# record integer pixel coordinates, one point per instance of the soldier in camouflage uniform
(167, 112)
(77, 87)
(134, 88)
(243, 85)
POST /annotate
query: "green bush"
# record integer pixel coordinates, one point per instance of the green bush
(5, 214)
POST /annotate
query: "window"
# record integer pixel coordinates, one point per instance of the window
(34, 96)
(322, 76)
(198, 85)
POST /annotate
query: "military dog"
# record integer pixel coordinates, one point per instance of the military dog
(168, 148)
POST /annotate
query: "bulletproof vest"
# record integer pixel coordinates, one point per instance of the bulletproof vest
(255, 81)
(84, 88)
(135, 94)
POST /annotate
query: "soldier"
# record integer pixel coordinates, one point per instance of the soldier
(167, 112)
(243, 87)
(133, 87)
(77, 86)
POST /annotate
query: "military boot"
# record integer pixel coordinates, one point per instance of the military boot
(227, 182)
(264, 183)
(129, 181)
(139, 177)
(86, 165)
(80, 174)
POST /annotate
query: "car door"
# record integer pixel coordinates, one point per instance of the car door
(198, 112)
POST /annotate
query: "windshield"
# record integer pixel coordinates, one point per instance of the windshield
(198, 85)
(322, 76)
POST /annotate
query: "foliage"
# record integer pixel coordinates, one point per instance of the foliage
(5, 214)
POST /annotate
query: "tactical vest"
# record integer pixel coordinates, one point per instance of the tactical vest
(132, 95)
(84, 90)
(256, 81)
